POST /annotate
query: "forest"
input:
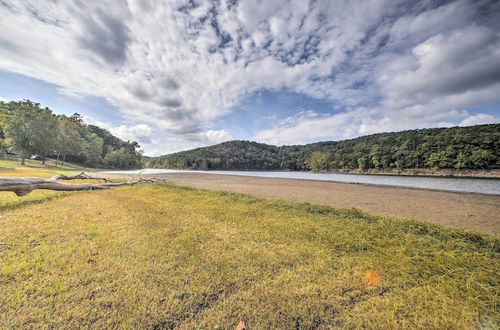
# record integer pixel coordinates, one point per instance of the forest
(28, 130)
(474, 147)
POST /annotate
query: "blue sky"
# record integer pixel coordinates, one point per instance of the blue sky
(182, 74)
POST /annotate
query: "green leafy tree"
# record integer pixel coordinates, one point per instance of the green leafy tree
(69, 140)
(319, 161)
(92, 150)
(363, 163)
(375, 156)
(32, 130)
(439, 160)
(4, 144)
(461, 160)
(116, 159)
(480, 158)
(3, 147)
(46, 141)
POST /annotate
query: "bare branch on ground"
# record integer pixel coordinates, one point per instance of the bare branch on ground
(23, 186)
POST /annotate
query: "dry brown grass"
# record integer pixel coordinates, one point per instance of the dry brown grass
(33, 168)
(163, 256)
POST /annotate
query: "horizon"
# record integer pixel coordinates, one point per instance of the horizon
(191, 74)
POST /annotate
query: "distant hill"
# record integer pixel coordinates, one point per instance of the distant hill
(474, 147)
(227, 155)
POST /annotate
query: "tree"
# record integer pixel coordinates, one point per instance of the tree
(69, 140)
(32, 130)
(92, 150)
(319, 161)
(480, 158)
(132, 154)
(23, 186)
(3, 147)
(375, 156)
(461, 161)
(363, 163)
(439, 160)
(46, 138)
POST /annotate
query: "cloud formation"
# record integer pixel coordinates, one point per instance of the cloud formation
(142, 133)
(178, 66)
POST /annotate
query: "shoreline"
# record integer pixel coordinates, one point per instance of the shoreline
(214, 172)
(470, 211)
(456, 174)
(317, 176)
(426, 172)
(421, 172)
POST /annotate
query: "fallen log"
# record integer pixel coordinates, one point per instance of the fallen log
(23, 186)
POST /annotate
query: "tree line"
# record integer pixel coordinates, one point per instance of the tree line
(475, 147)
(27, 130)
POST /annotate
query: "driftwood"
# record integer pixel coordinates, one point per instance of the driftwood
(23, 186)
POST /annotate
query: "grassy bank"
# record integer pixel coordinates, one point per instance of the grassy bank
(165, 256)
(11, 166)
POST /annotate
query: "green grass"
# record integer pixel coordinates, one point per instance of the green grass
(11, 164)
(162, 256)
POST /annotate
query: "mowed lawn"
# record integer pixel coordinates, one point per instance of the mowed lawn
(163, 256)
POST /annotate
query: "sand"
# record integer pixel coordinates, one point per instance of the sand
(470, 211)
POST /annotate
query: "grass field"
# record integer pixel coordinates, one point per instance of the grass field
(164, 256)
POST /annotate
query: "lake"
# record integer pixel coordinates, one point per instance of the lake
(474, 185)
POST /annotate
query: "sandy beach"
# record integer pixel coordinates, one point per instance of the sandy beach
(460, 210)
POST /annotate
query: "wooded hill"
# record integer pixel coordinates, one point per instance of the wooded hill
(27, 129)
(474, 147)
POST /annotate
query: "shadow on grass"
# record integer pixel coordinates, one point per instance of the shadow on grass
(17, 202)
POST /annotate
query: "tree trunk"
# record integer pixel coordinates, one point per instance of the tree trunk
(22, 160)
(57, 159)
(23, 186)
(63, 160)
(43, 159)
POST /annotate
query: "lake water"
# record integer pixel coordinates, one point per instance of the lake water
(479, 185)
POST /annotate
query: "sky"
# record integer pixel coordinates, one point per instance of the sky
(179, 74)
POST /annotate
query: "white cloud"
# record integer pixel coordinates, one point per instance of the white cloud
(479, 119)
(297, 131)
(3, 99)
(132, 56)
(430, 87)
(174, 67)
(179, 143)
(141, 133)
(214, 136)
(465, 61)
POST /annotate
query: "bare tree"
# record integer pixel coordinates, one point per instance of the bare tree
(23, 186)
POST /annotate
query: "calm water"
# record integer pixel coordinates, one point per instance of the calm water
(487, 186)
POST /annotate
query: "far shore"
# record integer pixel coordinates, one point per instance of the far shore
(470, 211)
(423, 172)
(489, 173)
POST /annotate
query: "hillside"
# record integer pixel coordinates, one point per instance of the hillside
(243, 155)
(475, 147)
